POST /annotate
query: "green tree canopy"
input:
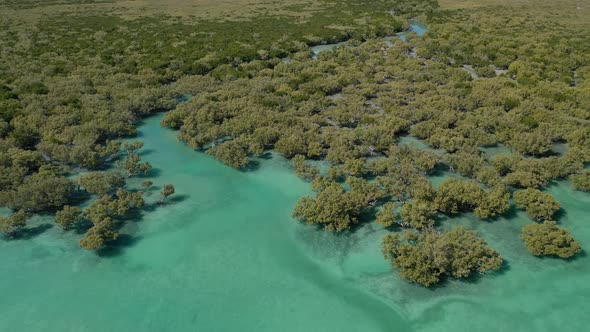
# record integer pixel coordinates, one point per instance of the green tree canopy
(14, 223)
(581, 181)
(43, 191)
(231, 153)
(429, 256)
(334, 208)
(68, 216)
(538, 205)
(302, 169)
(101, 183)
(167, 190)
(99, 235)
(133, 165)
(548, 239)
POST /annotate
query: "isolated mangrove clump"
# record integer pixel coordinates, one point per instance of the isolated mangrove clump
(548, 239)
(429, 256)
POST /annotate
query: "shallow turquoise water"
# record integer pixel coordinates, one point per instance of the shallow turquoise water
(415, 26)
(317, 49)
(226, 256)
(418, 27)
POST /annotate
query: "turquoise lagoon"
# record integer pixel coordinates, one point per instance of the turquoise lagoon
(225, 255)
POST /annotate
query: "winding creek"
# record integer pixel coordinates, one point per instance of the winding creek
(416, 27)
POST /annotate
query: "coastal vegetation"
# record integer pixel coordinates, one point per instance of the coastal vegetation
(538, 205)
(480, 79)
(581, 181)
(426, 257)
(548, 239)
(75, 79)
(350, 107)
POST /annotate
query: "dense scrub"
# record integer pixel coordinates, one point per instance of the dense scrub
(75, 81)
(491, 77)
(351, 106)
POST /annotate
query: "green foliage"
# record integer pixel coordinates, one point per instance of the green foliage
(99, 235)
(334, 208)
(456, 195)
(494, 204)
(101, 183)
(387, 216)
(418, 213)
(302, 169)
(402, 174)
(548, 239)
(43, 191)
(35, 88)
(414, 7)
(371, 192)
(146, 184)
(581, 181)
(538, 205)
(167, 190)
(132, 147)
(105, 214)
(355, 167)
(506, 163)
(291, 145)
(231, 153)
(67, 217)
(133, 165)
(12, 224)
(534, 143)
(24, 136)
(70, 88)
(114, 207)
(429, 256)
(580, 137)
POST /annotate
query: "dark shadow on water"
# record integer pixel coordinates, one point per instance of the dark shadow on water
(149, 190)
(29, 233)
(561, 213)
(474, 277)
(266, 155)
(366, 217)
(117, 247)
(511, 213)
(105, 166)
(154, 172)
(82, 227)
(176, 199)
(503, 269)
(581, 255)
(150, 208)
(253, 165)
(79, 197)
(134, 215)
(439, 170)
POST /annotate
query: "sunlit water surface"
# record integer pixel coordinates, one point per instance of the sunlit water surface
(226, 256)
